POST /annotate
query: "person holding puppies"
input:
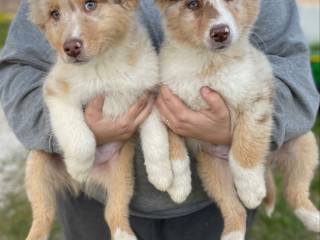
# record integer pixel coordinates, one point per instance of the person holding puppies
(27, 57)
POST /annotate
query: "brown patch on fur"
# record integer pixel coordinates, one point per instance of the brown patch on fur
(218, 182)
(118, 179)
(63, 86)
(133, 58)
(48, 91)
(44, 178)
(250, 142)
(270, 199)
(298, 160)
(177, 146)
(264, 118)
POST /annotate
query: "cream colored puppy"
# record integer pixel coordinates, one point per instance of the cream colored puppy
(101, 50)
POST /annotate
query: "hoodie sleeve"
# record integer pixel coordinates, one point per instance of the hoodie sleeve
(278, 34)
(24, 62)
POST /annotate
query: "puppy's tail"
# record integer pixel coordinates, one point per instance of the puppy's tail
(270, 199)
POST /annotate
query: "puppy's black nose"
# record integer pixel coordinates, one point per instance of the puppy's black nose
(220, 33)
(72, 47)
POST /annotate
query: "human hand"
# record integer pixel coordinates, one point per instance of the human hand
(211, 125)
(108, 130)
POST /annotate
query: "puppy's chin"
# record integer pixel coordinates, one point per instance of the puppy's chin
(79, 60)
(218, 47)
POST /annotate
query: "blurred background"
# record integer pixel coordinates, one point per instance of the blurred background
(15, 213)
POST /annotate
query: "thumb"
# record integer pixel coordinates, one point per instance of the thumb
(93, 109)
(213, 99)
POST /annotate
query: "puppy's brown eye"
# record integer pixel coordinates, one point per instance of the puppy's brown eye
(193, 5)
(55, 14)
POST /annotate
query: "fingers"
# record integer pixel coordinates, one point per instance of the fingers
(135, 110)
(214, 100)
(172, 108)
(136, 114)
(93, 110)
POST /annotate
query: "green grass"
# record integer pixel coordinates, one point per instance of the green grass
(5, 20)
(15, 220)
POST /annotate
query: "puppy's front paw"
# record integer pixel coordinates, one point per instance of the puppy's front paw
(251, 194)
(250, 183)
(181, 184)
(79, 168)
(160, 178)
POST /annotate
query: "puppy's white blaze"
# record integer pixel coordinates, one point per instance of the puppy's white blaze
(238, 235)
(311, 219)
(181, 184)
(122, 235)
(250, 183)
(76, 25)
(225, 17)
(154, 141)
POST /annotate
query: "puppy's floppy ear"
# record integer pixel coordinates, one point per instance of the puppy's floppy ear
(35, 15)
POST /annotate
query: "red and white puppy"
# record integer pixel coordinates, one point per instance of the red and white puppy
(101, 50)
(207, 44)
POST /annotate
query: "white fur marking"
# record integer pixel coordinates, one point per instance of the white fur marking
(181, 184)
(225, 17)
(122, 235)
(154, 141)
(238, 235)
(311, 219)
(250, 183)
(76, 31)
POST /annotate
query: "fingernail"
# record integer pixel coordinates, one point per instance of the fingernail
(205, 90)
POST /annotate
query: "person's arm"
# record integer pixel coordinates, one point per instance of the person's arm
(278, 34)
(24, 61)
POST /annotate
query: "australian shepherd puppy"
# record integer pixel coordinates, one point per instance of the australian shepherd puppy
(207, 44)
(101, 50)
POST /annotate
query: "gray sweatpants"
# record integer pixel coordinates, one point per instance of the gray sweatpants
(82, 219)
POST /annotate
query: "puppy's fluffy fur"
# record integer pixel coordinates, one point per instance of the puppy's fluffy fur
(207, 44)
(102, 50)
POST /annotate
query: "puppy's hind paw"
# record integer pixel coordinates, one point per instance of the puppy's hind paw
(251, 197)
(80, 174)
(181, 184)
(311, 219)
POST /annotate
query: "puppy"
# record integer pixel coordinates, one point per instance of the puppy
(101, 50)
(207, 44)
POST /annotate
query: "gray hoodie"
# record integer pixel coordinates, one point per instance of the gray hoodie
(27, 57)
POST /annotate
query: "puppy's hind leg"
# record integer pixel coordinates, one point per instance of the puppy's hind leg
(298, 160)
(218, 182)
(119, 180)
(42, 181)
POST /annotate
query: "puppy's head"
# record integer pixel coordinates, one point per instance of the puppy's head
(80, 30)
(210, 24)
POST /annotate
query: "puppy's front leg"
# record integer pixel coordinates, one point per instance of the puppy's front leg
(247, 157)
(73, 135)
(155, 146)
